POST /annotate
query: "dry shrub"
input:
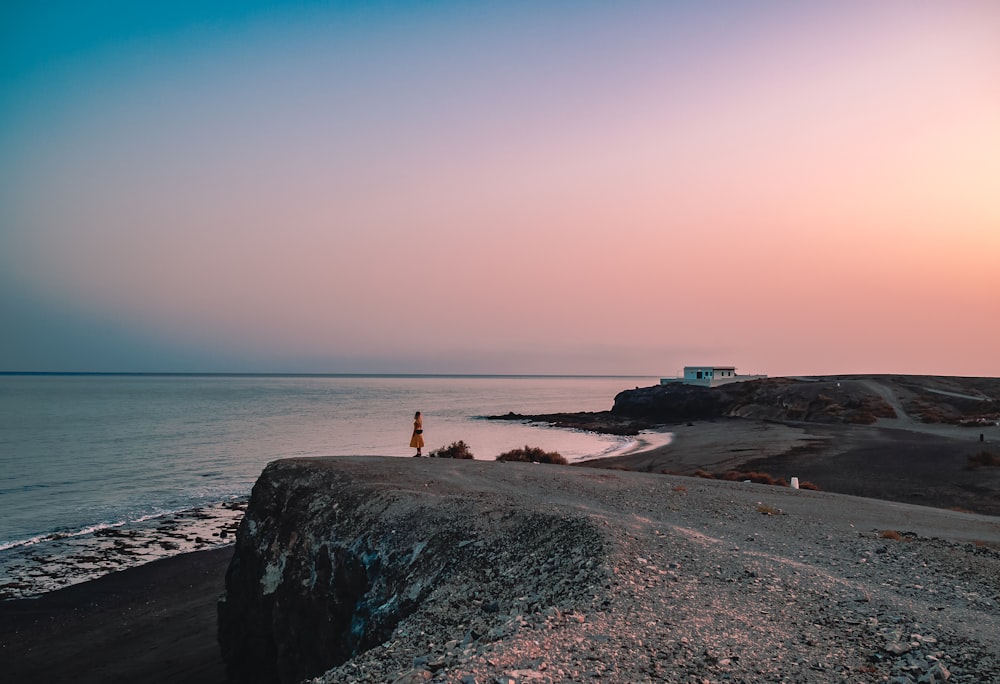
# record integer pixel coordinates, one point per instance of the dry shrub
(531, 454)
(704, 474)
(753, 476)
(891, 534)
(768, 509)
(932, 414)
(984, 459)
(457, 449)
(808, 485)
(680, 489)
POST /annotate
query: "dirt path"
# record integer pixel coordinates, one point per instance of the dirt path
(890, 397)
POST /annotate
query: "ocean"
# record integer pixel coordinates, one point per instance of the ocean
(103, 472)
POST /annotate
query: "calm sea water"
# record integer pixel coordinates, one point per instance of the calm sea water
(83, 453)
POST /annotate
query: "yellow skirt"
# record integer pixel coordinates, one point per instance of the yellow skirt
(416, 441)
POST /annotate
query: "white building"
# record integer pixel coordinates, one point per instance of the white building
(710, 376)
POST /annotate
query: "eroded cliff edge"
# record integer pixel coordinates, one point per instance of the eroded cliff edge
(332, 556)
(407, 570)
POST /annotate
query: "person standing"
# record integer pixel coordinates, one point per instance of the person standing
(417, 440)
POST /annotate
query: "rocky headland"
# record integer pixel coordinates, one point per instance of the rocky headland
(406, 570)
(928, 440)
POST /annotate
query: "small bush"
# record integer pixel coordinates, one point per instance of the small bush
(768, 509)
(753, 476)
(890, 534)
(457, 449)
(531, 454)
(984, 459)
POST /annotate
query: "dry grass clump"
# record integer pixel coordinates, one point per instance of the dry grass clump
(768, 509)
(984, 459)
(890, 534)
(457, 449)
(808, 485)
(531, 454)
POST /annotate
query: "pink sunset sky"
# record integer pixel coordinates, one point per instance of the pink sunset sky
(463, 187)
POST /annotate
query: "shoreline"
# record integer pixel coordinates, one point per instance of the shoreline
(37, 568)
(812, 452)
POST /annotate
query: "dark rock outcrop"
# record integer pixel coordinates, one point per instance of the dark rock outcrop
(826, 400)
(675, 403)
(326, 566)
(819, 400)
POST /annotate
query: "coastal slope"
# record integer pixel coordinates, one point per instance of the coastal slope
(928, 440)
(406, 570)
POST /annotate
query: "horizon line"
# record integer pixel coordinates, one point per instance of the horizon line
(277, 374)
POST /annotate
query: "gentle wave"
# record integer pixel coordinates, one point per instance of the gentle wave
(56, 536)
(116, 524)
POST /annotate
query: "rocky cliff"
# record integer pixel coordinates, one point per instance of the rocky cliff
(818, 400)
(329, 560)
(406, 570)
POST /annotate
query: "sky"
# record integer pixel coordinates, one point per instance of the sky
(511, 187)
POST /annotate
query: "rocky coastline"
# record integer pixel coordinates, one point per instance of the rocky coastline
(370, 569)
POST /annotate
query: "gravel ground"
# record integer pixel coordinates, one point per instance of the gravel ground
(635, 577)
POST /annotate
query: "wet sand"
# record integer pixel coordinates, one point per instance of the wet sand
(155, 623)
(60, 560)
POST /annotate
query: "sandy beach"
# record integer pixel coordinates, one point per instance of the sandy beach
(894, 460)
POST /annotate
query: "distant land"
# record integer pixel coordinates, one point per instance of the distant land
(921, 439)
